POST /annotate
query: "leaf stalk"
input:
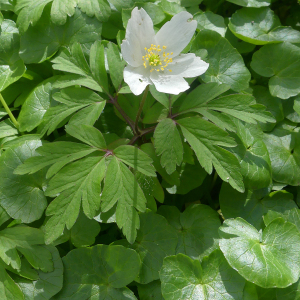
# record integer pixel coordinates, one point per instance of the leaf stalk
(13, 119)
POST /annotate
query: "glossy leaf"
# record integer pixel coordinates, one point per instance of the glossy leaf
(281, 63)
(225, 64)
(22, 196)
(261, 26)
(197, 229)
(102, 271)
(251, 205)
(11, 65)
(40, 42)
(185, 278)
(254, 254)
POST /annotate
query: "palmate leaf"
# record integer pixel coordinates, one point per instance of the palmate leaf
(243, 107)
(77, 171)
(168, 144)
(73, 61)
(205, 139)
(30, 11)
(73, 101)
(122, 188)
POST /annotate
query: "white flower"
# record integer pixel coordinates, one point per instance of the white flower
(155, 58)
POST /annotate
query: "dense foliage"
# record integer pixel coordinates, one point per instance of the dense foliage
(105, 194)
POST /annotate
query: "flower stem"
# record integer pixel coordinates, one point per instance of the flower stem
(9, 111)
(141, 109)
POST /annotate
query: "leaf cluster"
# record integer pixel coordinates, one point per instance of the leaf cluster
(108, 195)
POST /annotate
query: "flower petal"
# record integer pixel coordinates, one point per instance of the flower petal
(139, 34)
(177, 33)
(171, 84)
(188, 65)
(136, 78)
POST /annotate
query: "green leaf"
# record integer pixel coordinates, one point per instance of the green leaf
(205, 139)
(9, 290)
(97, 65)
(59, 154)
(36, 105)
(135, 158)
(115, 64)
(289, 111)
(21, 196)
(88, 135)
(284, 150)
(226, 65)
(185, 278)
(122, 189)
(239, 106)
(261, 26)
(191, 176)
(251, 3)
(84, 231)
(281, 62)
(98, 8)
(253, 156)
(101, 271)
(254, 254)
(156, 240)
(11, 65)
(291, 292)
(209, 20)
(168, 144)
(272, 104)
(197, 229)
(28, 241)
(74, 61)
(7, 129)
(47, 285)
(160, 97)
(72, 99)
(77, 184)
(172, 178)
(150, 291)
(153, 10)
(43, 40)
(251, 205)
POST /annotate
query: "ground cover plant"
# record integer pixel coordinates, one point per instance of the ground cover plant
(149, 149)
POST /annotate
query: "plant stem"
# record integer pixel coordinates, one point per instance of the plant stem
(9, 111)
(142, 133)
(114, 101)
(170, 106)
(141, 109)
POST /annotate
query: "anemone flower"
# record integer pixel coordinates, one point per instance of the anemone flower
(155, 58)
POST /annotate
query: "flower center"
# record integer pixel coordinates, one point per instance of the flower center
(157, 58)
